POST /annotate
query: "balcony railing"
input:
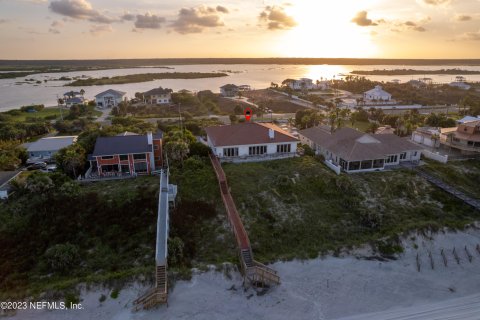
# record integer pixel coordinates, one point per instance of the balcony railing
(259, 157)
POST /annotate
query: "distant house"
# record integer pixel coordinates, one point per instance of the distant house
(464, 138)
(468, 119)
(126, 154)
(229, 90)
(72, 98)
(460, 85)
(158, 96)
(302, 84)
(377, 94)
(250, 141)
(44, 149)
(385, 130)
(356, 151)
(244, 87)
(428, 136)
(110, 98)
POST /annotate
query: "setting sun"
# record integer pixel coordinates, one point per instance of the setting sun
(320, 33)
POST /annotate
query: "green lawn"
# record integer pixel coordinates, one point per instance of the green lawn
(464, 175)
(359, 125)
(297, 208)
(46, 112)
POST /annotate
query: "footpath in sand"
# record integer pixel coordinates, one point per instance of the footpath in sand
(348, 287)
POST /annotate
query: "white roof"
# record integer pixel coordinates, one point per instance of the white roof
(112, 92)
(378, 91)
(468, 119)
(51, 143)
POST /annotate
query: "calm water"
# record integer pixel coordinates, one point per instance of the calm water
(14, 95)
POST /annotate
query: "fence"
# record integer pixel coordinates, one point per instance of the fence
(330, 164)
(435, 156)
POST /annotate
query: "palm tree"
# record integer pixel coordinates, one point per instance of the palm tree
(82, 92)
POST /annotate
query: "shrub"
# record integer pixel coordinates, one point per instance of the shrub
(115, 293)
(61, 257)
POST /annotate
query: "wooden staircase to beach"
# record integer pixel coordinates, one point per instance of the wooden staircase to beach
(256, 273)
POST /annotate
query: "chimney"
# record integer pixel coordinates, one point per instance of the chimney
(271, 134)
(149, 138)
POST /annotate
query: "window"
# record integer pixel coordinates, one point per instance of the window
(139, 156)
(107, 157)
(415, 154)
(230, 152)
(141, 167)
(155, 147)
(282, 148)
(403, 156)
(123, 157)
(391, 159)
(257, 150)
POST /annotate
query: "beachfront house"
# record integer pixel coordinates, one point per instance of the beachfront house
(355, 151)
(465, 138)
(158, 96)
(73, 98)
(250, 141)
(125, 155)
(460, 85)
(44, 149)
(109, 99)
(229, 90)
(302, 84)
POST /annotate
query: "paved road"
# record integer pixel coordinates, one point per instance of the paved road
(5, 176)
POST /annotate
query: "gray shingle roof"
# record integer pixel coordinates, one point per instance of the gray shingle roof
(352, 145)
(106, 146)
(112, 92)
(157, 91)
(51, 143)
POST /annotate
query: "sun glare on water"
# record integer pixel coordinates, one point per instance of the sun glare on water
(324, 29)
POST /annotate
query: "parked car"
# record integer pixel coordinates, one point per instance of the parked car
(49, 168)
(36, 166)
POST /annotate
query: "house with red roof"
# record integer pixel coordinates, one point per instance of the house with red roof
(251, 141)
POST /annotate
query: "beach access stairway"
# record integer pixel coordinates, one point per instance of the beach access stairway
(159, 294)
(448, 188)
(255, 272)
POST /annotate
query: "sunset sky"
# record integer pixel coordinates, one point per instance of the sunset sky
(87, 29)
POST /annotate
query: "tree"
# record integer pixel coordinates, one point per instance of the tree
(176, 150)
(71, 159)
(373, 127)
(82, 92)
(233, 119)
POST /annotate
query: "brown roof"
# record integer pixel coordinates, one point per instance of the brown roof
(352, 145)
(247, 133)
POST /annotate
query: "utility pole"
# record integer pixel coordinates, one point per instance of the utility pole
(180, 118)
(60, 107)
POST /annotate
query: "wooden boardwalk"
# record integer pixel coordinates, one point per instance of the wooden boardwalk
(255, 272)
(448, 188)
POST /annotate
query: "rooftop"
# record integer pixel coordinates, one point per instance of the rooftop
(123, 144)
(352, 145)
(246, 134)
(51, 143)
(157, 91)
(112, 92)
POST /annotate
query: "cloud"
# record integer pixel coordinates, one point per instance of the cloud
(362, 20)
(148, 21)
(276, 18)
(79, 9)
(53, 30)
(222, 9)
(463, 17)
(415, 26)
(54, 27)
(195, 20)
(3, 21)
(97, 30)
(437, 2)
(471, 36)
(128, 17)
